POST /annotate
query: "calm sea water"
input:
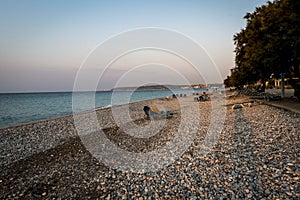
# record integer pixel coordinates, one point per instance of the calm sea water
(22, 108)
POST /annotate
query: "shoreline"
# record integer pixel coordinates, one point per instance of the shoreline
(58, 130)
(70, 115)
(253, 158)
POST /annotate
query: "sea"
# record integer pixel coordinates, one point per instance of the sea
(21, 108)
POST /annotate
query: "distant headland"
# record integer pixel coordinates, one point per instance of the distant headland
(167, 87)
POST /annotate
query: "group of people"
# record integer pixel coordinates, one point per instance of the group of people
(202, 97)
(154, 112)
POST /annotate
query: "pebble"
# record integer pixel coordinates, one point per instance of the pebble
(254, 155)
(267, 192)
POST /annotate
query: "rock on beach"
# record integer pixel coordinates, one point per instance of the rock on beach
(256, 156)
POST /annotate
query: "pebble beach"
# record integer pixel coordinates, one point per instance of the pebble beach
(256, 156)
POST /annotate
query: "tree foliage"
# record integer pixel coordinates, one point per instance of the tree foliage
(268, 45)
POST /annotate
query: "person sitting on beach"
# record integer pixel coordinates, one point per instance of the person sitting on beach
(153, 111)
(204, 97)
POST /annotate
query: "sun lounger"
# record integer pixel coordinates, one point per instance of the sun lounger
(272, 97)
(154, 112)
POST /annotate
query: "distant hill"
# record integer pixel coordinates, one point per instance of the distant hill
(167, 87)
(153, 87)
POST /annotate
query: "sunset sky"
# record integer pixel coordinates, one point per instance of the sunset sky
(43, 43)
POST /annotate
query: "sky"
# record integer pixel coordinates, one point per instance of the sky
(44, 44)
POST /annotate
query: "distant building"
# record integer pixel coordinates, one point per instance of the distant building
(277, 83)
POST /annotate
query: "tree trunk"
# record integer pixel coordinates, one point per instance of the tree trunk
(263, 86)
(296, 85)
(297, 92)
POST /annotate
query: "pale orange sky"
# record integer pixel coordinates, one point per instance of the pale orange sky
(43, 43)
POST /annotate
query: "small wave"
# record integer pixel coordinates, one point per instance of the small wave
(108, 106)
(103, 107)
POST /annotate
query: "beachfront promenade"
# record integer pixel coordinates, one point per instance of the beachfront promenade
(256, 156)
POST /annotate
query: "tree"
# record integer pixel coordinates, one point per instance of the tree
(269, 44)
